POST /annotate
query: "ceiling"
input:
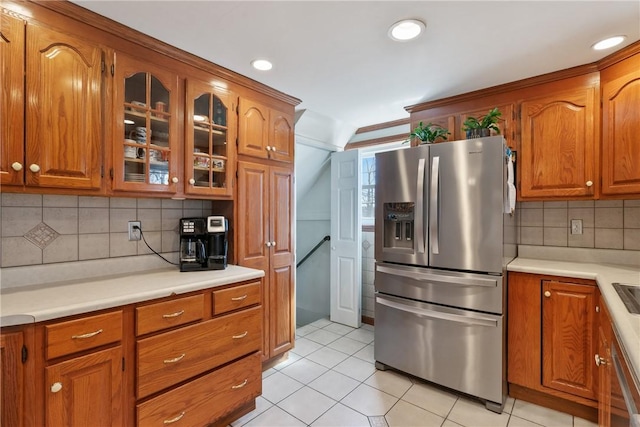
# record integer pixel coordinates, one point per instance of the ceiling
(336, 57)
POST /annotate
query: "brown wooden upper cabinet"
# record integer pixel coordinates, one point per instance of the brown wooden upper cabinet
(210, 134)
(264, 132)
(145, 136)
(558, 150)
(12, 117)
(63, 91)
(621, 127)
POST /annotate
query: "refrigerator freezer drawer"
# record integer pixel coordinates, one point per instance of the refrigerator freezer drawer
(455, 348)
(482, 292)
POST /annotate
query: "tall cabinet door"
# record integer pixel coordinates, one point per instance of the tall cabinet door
(12, 42)
(64, 110)
(253, 231)
(558, 146)
(621, 128)
(281, 271)
(569, 338)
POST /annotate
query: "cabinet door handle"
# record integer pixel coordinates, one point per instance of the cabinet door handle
(56, 387)
(242, 335)
(175, 359)
(242, 384)
(589, 183)
(16, 166)
(175, 179)
(268, 148)
(547, 294)
(273, 243)
(192, 181)
(176, 314)
(87, 335)
(268, 244)
(175, 419)
(239, 298)
(600, 361)
(34, 168)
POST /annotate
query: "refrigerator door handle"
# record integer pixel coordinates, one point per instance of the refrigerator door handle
(419, 217)
(433, 314)
(436, 278)
(433, 214)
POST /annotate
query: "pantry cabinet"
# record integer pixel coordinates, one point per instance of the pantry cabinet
(209, 151)
(145, 146)
(559, 144)
(621, 127)
(264, 132)
(265, 242)
(551, 342)
(12, 381)
(12, 45)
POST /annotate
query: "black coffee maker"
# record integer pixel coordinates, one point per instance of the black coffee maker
(203, 243)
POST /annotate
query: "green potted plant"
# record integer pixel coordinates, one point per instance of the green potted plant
(479, 127)
(428, 133)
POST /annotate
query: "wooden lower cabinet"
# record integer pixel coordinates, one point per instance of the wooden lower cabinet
(86, 390)
(12, 379)
(191, 404)
(551, 342)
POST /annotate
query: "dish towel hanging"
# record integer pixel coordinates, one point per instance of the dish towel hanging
(510, 203)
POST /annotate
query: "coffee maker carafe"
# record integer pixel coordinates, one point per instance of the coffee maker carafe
(203, 243)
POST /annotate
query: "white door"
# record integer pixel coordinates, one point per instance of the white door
(346, 235)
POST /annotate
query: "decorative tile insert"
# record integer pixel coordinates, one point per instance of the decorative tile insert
(41, 235)
(366, 245)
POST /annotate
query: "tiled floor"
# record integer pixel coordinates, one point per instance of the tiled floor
(330, 380)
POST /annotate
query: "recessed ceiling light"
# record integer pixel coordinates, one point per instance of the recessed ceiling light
(261, 64)
(405, 30)
(607, 43)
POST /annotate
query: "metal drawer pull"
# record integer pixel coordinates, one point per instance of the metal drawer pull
(175, 359)
(176, 314)
(239, 298)
(89, 335)
(173, 420)
(242, 384)
(242, 335)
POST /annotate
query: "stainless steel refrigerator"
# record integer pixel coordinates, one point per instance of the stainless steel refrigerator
(444, 235)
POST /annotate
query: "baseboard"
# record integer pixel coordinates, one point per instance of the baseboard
(368, 320)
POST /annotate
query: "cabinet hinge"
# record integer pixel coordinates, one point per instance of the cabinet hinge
(102, 171)
(237, 177)
(25, 353)
(513, 114)
(103, 67)
(113, 70)
(597, 309)
(123, 364)
(236, 142)
(111, 173)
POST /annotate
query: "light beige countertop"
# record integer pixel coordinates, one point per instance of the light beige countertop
(37, 302)
(605, 271)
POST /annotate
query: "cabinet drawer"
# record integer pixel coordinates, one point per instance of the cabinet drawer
(82, 334)
(164, 315)
(206, 399)
(175, 356)
(236, 297)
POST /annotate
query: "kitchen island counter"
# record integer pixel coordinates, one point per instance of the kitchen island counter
(627, 325)
(35, 303)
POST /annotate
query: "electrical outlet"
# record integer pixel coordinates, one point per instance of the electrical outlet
(576, 226)
(135, 234)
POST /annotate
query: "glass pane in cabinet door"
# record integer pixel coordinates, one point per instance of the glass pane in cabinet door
(135, 90)
(159, 98)
(219, 112)
(219, 142)
(135, 169)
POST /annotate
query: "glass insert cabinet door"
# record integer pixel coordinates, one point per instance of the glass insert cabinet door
(145, 138)
(210, 140)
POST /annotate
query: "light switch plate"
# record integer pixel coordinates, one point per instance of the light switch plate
(576, 226)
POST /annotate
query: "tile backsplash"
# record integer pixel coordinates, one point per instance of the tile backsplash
(606, 224)
(42, 229)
